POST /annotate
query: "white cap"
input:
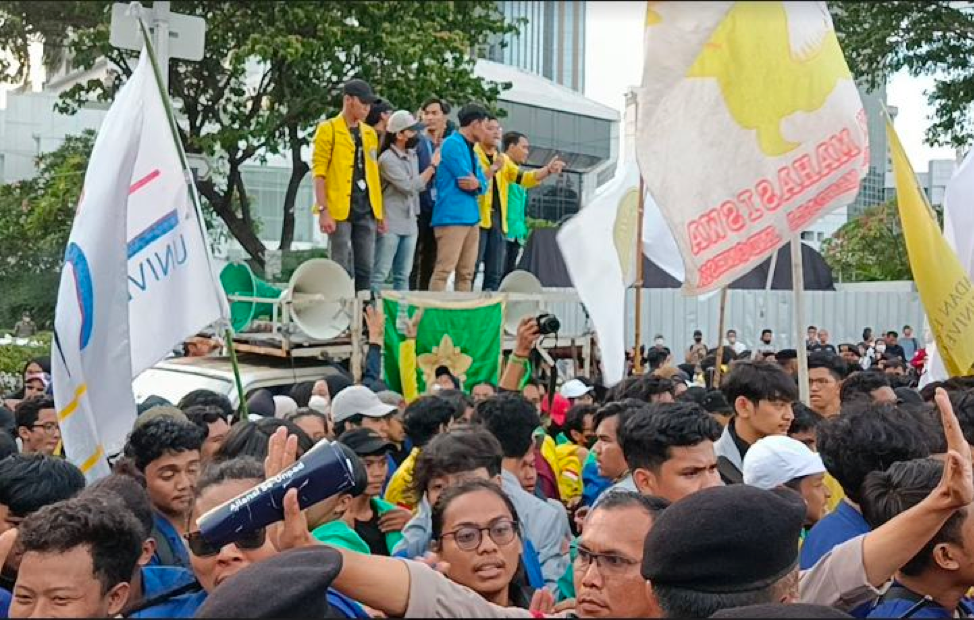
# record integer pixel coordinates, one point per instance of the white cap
(575, 389)
(358, 400)
(778, 459)
(401, 121)
(283, 405)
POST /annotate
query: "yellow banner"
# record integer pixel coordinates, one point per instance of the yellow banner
(945, 289)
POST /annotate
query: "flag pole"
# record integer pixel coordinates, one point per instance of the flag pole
(798, 314)
(636, 357)
(720, 337)
(191, 188)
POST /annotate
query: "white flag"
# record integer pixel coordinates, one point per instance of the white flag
(174, 291)
(750, 128)
(91, 357)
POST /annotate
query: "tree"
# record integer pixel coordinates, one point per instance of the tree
(935, 38)
(34, 226)
(271, 72)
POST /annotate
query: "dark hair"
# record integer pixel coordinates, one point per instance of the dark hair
(892, 333)
(161, 436)
(619, 499)
(442, 103)
(206, 397)
(640, 387)
(861, 385)
(622, 408)
(784, 355)
(511, 138)
(250, 439)
(963, 403)
(869, 438)
(812, 327)
(575, 419)
(895, 363)
(463, 449)
(886, 494)
(28, 482)
(128, 491)
(301, 393)
(28, 411)
(648, 435)
(512, 420)
(766, 331)
(425, 417)
(471, 113)
(237, 468)
(679, 602)
(806, 419)
(306, 412)
(487, 383)
(656, 357)
(379, 106)
(757, 381)
(458, 400)
(204, 415)
(832, 363)
(458, 491)
(100, 524)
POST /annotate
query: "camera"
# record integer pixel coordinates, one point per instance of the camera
(548, 324)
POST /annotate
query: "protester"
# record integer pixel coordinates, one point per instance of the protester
(167, 452)
(715, 403)
(698, 350)
(893, 348)
(909, 344)
(402, 182)
(315, 425)
(37, 425)
(35, 367)
(375, 520)
(380, 112)
(425, 418)
(483, 391)
(851, 356)
(761, 395)
(77, 557)
(358, 406)
(609, 457)
(823, 345)
(861, 440)
(28, 482)
(812, 339)
(456, 214)
(501, 173)
(207, 398)
(579, 428)
(516, 149)
(766, 346)
(347, 187)
(578, 392)
(788, 360)
(804, 426)
(210, 420)
(867, 386)
(250, 439)
(669, 449)
(437, 127)
(825, 375)
(731, 341)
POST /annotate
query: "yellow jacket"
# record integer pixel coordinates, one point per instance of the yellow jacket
(510, 173)
(333, 159)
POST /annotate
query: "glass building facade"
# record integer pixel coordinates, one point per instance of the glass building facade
(873, 189)
(266, 187)
(551, 41)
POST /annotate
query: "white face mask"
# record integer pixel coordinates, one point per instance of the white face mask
(659, 342)
(880, 348)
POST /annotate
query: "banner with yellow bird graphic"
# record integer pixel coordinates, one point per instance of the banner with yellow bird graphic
(945, 288)
(749, 128)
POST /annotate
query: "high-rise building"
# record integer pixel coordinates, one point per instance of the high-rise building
(550, 41)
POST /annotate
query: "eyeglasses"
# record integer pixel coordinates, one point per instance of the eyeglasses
(609, 564)
(202, 548)
(468, 538)
(50, 428)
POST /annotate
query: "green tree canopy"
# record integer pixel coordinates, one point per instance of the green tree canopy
(271, 72)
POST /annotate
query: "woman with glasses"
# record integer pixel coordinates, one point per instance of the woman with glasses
(476, 533)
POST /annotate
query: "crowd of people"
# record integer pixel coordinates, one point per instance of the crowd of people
(661, 496)
(418, 202)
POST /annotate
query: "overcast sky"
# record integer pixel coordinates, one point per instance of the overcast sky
(613, 62)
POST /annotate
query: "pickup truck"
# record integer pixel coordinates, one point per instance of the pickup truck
(174, 378)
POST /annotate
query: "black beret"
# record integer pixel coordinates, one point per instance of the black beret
(724, 540)
(781, 610)
(292, 584)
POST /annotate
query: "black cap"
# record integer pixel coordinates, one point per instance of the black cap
(359, 89)
(365, 442)
(781, 610)
(786, 354)
(697, 332)
(360, 477)
(292, 584)
(694, 545)
(715, 402)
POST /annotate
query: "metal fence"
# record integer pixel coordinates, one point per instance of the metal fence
(844, 313)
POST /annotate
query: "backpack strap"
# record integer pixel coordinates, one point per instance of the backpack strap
(728, 471)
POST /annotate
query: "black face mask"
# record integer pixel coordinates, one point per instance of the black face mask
(411, 143)
(698, 338)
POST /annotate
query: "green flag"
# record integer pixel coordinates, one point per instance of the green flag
(464, 336)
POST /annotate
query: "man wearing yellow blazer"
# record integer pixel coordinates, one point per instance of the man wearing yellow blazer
(348, 192)
(493, 202)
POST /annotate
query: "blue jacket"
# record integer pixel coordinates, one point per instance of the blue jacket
(454, 206)
(844, 524)
(592, 483)
(156, 581)
(4, 603)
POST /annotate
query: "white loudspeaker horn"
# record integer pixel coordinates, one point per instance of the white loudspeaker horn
(523, 282)
(318, 290)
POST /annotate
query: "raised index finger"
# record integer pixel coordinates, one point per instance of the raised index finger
(952, 430)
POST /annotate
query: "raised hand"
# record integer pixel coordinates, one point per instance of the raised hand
(956, 488)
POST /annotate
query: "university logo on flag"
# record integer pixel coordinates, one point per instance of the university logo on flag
(750, 129)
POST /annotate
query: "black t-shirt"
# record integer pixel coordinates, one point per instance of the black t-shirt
(372, 535)
(819, 348)
(896, 351)
(360, 194)
(495, 205)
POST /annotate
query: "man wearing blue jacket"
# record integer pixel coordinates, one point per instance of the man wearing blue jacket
(456, 213)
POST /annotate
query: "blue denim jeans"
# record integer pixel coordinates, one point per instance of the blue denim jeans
(493, 251)
(393, 253)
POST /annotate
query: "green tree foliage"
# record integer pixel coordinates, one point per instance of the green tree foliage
(35, 221)
(923, 38)
(871, 247)
(271, 72)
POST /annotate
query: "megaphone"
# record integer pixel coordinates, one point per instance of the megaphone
(524, 282)
(318, 290)
(238, 279)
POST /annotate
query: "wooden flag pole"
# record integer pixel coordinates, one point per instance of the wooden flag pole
(637, 358)
(798, 286)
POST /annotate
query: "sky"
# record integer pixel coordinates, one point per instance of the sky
(613, 63)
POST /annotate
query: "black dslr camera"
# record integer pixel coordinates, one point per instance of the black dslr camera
(548, 324)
